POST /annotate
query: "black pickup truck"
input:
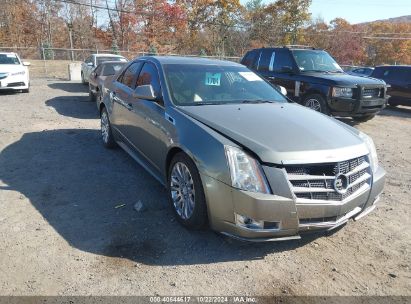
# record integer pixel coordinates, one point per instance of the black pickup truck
(314, 79)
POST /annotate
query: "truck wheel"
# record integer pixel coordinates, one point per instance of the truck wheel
(317, 103)
(364, 118)
(185, 192)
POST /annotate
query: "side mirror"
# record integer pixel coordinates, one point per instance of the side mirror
(283, 90)
(26, 63)
(90, 64)
(286, 69)
(145, 92)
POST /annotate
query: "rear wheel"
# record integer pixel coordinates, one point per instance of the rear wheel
(106, 132)
(364, 118)
(317, 103)
(185, 191)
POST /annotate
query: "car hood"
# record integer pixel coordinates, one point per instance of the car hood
(282, 133)
(11, 68)
(342, 79)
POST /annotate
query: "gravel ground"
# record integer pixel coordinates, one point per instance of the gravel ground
(68, 226)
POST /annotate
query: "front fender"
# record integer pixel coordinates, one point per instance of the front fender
(204, 145)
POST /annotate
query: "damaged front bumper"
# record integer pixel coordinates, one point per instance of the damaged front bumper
(283, 216)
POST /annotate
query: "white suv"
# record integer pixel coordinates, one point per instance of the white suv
(93, 61)
(14, 74)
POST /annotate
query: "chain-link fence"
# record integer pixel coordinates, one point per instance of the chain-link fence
(53, 62)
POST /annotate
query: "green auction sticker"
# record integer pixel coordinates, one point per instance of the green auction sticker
(213, 79)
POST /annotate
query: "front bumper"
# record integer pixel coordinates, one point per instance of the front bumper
(345, 107)
(284, 213)
(18, 82)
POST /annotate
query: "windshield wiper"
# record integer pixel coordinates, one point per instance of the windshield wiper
(205, 103)
(257, 101)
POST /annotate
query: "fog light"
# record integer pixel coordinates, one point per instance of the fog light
(247, 222)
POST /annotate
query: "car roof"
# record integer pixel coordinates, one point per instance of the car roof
(393, 66)
(189, 60)
(106, 55)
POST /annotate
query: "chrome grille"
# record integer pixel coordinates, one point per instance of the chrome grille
(371, 93)
(316, 182)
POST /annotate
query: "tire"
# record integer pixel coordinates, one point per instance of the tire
(106, 131)
(191, 212)
(317, 103)
(26, 90)
(364, 118)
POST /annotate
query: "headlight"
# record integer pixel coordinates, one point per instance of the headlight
(246, 172)
(342, 92)
(371, 148)
(18, 73)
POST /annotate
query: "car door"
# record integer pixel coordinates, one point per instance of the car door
(272, 65)
(151, 130)
(121, 96)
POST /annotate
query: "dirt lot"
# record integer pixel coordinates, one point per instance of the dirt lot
(61, 233)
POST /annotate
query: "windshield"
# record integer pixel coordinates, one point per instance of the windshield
(213, 84)
(103, 59)
(315, 61)
(9, 59)
(112, 68)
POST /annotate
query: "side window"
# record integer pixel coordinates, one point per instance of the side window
(128, 76)
(282, 59)
(149, 75)
(265, 60)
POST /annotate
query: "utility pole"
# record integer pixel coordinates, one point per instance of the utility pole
(70, 28)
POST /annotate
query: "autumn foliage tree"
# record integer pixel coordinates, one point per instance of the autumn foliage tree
(196, 27)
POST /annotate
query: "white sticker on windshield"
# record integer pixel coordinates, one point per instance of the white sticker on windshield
(250, 76)
(11, 55)
(123, 59)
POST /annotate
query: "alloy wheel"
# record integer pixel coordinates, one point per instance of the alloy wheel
(182, 190)
(105, 126)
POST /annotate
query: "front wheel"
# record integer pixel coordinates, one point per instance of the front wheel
(106, 132)
(185, 191)
(316, 102)
(364, 118)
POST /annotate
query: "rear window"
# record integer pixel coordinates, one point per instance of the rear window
(103, 59)
(112, 68)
